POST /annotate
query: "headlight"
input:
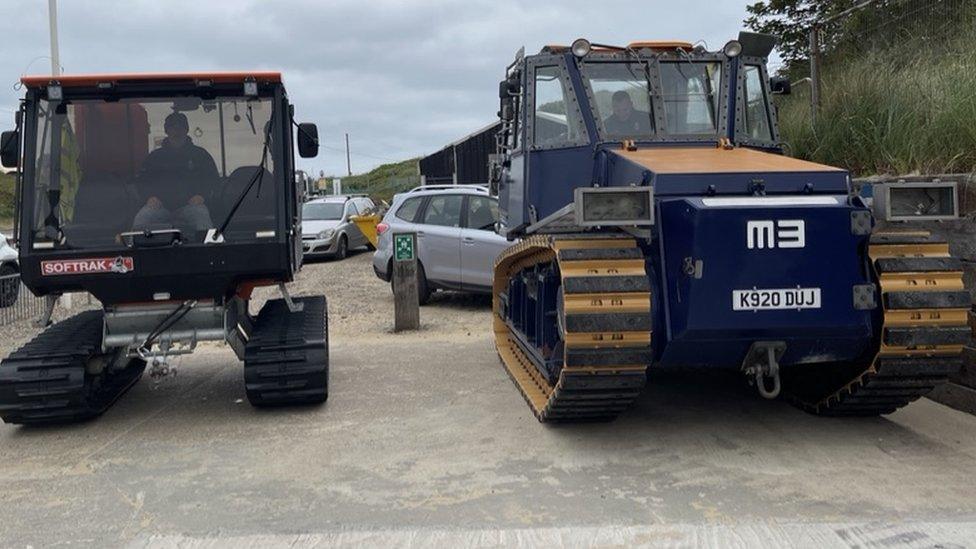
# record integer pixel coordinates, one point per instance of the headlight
(614, 206)
(326, 234)
(916, 201)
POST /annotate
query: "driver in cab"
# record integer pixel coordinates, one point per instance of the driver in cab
(626, 121)
(174, 179)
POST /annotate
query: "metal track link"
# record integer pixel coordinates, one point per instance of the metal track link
(926, 313)
(605, 321)
(286, 359)
(48, 380)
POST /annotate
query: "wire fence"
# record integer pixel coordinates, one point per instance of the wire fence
(890, 89)
(17, 303)
(897, 27)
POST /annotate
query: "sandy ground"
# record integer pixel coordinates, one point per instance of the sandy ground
(426, 442)
(361, 305)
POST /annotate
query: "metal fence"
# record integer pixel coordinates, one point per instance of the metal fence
(17, 303)
(900, 28)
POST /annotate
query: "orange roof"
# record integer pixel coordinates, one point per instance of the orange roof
(92, 79)
(661, 45)
(692, 160)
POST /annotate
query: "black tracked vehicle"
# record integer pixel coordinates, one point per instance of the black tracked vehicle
(168, 197)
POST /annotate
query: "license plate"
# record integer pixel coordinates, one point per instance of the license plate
(777, 299)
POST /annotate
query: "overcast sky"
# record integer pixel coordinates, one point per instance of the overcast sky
(402, 77)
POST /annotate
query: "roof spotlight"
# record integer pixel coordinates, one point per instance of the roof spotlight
(733, 48)
(581, 47)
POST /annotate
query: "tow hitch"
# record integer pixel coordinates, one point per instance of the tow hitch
(761, 366)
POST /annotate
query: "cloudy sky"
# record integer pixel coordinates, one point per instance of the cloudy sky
(402, 77)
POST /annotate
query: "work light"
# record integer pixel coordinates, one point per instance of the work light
(614, 206)
(581, 47)
(733, 48)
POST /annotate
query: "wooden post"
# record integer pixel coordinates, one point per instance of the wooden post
(815, 65)
(406, 301)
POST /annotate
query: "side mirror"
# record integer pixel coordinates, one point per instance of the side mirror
(780, 85)
(308, 140)
(10, 149)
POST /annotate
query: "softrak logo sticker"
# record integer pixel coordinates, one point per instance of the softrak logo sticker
(94, 265)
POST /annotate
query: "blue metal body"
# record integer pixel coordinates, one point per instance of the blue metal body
(694, 321)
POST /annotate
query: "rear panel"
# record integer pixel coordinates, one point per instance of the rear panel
(740, 270)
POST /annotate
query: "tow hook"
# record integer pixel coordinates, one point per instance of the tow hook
(159, 366)
(761, 366)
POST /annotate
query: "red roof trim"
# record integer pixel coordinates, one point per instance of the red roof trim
(92, 79)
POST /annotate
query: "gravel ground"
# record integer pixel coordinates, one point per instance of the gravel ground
(360, 306)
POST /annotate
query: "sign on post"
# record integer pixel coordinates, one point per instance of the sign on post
(406, 301)
(403, 247)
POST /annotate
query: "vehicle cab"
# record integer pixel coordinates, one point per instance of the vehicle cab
(156, 187)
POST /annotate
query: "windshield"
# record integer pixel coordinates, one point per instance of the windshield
(322, 211)
(104, 169)
(623, 103)
(689, 97)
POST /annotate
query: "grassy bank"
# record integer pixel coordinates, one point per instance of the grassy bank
(382, 182)
(6, 200)
(892, 112)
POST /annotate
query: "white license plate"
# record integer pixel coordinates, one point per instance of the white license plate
(778, 299)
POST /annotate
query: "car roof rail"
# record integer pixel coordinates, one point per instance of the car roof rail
(480, 188)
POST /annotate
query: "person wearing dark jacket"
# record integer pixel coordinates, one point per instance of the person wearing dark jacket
(626, 121)
(174, 180)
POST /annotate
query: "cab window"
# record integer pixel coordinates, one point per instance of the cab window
(755, 111)
(554, 124)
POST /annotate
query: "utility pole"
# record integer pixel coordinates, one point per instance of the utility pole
(348, 163)
(52, 13)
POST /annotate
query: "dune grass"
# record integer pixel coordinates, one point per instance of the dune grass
(892, 112)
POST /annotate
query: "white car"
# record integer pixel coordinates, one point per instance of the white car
(9, 273)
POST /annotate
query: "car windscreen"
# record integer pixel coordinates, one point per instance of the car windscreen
(103, 169)
(322, 211)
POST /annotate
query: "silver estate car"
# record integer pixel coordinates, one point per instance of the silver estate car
(326, 228)
(456, 239)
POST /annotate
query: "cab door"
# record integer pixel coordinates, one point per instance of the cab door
(480, 244)
(439, 238)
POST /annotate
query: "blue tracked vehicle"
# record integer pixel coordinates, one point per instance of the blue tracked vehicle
(661, 227)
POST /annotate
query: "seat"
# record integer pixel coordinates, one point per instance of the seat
(103, 207)
(257, 211)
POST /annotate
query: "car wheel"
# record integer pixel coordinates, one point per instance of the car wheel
(343, 250)
(9, 286)
(423, 289)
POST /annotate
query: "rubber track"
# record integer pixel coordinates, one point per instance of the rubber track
(286, 359)
(606, 315)
(45, 381)
(925, 326)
